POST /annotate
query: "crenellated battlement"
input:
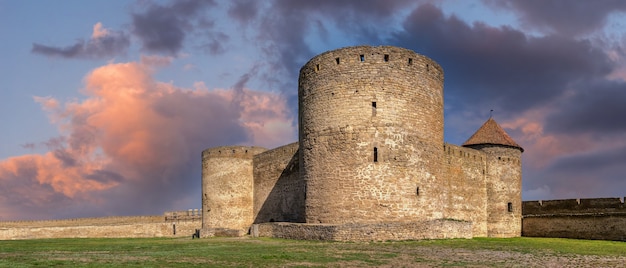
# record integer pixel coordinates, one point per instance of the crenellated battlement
(574, 207)
(463, 152)
(592, 218)
(183, 215)
(285, 151)
(245, 152)
(354, 58)
(97, 221)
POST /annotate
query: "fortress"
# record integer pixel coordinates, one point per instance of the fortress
(370, 163)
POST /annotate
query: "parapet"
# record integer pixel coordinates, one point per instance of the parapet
(93, 221)
(573, 207)
(344, 59)
(244, 152)
(183, 215)
(463, 152)
(282, 152)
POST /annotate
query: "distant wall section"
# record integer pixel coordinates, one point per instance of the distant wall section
(597, 218)
(102, 227)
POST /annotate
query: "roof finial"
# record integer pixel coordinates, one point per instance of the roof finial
(491, 113)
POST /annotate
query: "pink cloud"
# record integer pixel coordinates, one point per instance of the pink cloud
(542, 148)
(554, 162)
(132, 146)
(99, 31)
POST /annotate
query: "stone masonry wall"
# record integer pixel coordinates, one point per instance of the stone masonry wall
(465, 185)
(278, 189)
(371, 131)
(105, 227)
(227, 187)
(432, 229)
(597, 218)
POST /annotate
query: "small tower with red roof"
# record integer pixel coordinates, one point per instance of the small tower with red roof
(503, 175)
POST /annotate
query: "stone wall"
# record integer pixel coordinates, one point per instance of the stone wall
(597, 218)
(465, 181)
(278, 189)
(431, 229)
(105, 227)
(371, 131)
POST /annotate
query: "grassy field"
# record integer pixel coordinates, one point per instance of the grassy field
(253, 252)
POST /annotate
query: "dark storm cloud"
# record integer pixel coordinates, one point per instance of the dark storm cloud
(568, 17)
(491, 65)
(163, 29)
(591, 162)
(585, 175)
(216, 42)
(595, 108)
(244, 11)
(110, 45)
(284, 26)
(290, 21)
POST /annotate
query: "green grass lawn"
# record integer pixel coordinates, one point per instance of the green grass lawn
(264, 252)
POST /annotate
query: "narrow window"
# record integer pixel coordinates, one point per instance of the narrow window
(337, 60)
(362, 57)
(410, 61)
(417, 191)
(373, 108)
(375, 154)
(386, 57)
(427, 67)
(510, 207)
(317, 67)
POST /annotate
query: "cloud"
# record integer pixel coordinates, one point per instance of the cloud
(244, 11)
(567, 164)
(594, 108)
(102, 44)
(132, 146)
(216, 43)
(286, 24)
(562, 17)
(163, 28)
(594, 173)
(500, 67)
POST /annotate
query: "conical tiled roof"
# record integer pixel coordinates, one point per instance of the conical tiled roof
(491, 133)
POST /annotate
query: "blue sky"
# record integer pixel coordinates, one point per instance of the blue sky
(106, 105)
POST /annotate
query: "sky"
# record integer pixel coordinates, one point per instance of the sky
(106, 106)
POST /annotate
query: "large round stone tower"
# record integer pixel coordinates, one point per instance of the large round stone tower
(227, 189)
(371, 136)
